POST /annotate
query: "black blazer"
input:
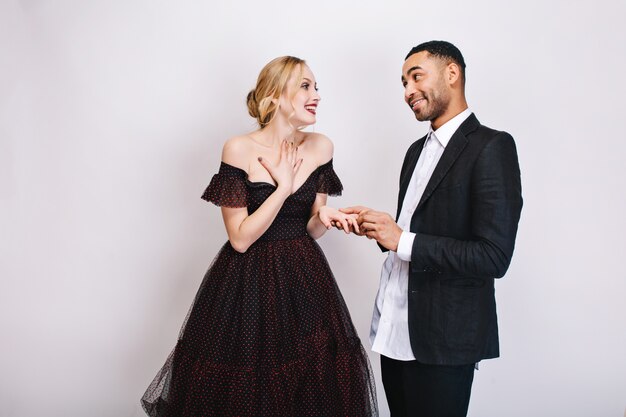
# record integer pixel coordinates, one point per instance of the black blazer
(465, 225)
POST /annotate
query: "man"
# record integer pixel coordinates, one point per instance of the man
(458, 209)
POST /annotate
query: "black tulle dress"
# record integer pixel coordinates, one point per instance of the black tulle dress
(268, 333)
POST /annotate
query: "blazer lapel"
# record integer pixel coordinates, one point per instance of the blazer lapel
(457, 143)
(408, 173)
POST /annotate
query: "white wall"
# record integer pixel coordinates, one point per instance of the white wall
(112, 116)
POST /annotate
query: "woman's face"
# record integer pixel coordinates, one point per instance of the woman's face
(299, 101)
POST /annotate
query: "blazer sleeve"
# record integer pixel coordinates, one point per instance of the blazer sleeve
(495, 204)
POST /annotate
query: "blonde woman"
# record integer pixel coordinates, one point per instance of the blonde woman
(269, 333)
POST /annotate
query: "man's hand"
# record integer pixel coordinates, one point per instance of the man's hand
(382, 227)
(377, 225)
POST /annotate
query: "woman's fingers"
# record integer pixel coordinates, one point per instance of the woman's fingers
(343, 222)
(295, 154)
(345, 225)
(354, 224)
(289, 153)
(265, 164)
(284, 172)
(290, 150)
(297, 166)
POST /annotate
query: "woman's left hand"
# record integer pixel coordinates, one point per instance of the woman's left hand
(331, 217)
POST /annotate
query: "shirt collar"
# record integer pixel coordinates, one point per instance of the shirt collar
(445, 132)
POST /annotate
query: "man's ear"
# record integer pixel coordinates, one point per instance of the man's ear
(453, 73)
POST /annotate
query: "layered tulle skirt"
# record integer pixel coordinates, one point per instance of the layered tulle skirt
(268, 334)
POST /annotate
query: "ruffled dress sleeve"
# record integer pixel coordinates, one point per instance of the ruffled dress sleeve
(327, 180)
(227, 187)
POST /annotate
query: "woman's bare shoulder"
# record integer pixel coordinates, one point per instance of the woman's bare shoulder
(319, 145)
(236, 151)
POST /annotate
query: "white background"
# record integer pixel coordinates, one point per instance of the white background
(112, 118)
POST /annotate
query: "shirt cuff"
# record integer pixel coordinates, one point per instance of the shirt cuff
(405, 246)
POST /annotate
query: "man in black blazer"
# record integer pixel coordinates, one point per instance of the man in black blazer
(458, 209)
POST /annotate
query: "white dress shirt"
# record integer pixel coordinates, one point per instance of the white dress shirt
(389, 333)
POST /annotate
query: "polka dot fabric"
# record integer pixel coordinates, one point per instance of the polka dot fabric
(269, 333)
(227, 187)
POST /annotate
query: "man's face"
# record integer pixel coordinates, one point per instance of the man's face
(425, 89)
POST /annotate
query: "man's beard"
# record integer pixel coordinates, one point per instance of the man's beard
(437, 104)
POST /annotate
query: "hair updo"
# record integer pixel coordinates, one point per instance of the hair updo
(270, 85)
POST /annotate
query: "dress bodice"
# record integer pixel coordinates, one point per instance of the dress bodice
(230, 187)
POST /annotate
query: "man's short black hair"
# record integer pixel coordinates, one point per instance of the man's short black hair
(443, 50)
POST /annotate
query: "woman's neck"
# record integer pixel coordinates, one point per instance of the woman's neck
(274, 133)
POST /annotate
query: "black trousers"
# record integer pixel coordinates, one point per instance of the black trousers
(414, 389)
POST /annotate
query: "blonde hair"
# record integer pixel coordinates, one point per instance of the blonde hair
(271, 83)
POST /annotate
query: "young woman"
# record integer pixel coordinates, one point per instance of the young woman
(269, 333)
